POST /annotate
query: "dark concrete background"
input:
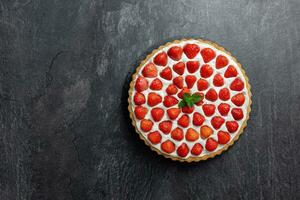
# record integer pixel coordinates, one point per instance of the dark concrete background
(65, 66)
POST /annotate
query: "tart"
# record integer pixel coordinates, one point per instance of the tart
(189, 100)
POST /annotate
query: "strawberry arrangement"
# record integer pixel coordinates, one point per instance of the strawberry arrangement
(189, 100)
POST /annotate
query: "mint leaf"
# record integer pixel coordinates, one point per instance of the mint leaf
(190, 103)
(197, 98)
(186, 96)
(182, 104)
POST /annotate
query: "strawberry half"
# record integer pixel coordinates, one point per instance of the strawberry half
(183, 150)
(238, 99)
(230, 72)
(161, 59)
(156, 84)
(206, 131)
(211, 95)
(154, 99)
(150, 70)
(139, 98)
(175, 52)
(183, 91)
(154, 137)
(218, 80)
(184, 121)
(202, 84)
(157, 114)
(237, 113)
(141, 84)
(168, 146)
(173, 113)
(232, 126)
(206, 71)
(207, 54)
(177, 134)
(208, 109)
(179, 68)
(187, 109)
(190, 80)
(170, 101)
(171, 89)
(165, 126)
(198, 119)
(191, 135)
(223, 109)
(223, 137)
(191, 50)
(146, 125)
(237, 85)
(224, 94)
(211, 144)
(197, 149)
(192, 66)
(221, 61)
(178, 81)
(166, 73)
(217, 122)
(140, 112)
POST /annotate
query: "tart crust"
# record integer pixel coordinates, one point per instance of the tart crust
(190, 159)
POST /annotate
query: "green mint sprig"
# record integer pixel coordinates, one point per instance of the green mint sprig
(189, 100)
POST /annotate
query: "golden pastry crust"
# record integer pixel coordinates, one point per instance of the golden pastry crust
(190, 159)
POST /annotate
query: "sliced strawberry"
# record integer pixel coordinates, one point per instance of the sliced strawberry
(191, 135)
(190, 80)
(221, 61)
(146, 125)
(224, 94)
(187, 109)
(175, 52)
(157, 114)
(165, 126)
(140, 112)
(191, 50)
(230, 72)
(173, 113)
(177, 134)
(166, 73)
(168, 146)
(171, 89)
(170, 101)
(206, 71)
(156, 84)
(197, 149)
(141, 84)
(211, 95)
(179, 68)
(202, 84)
(207, 54)
(217, 122)
(192, 66)
(238, 99)
(223, 137)
(139, 98)
(184, 121)
(218, 80)
(150, 70)
(237, 113)
(208, 109)
(237, 85)
(183, 91)
(161, 59)
(211, 144)
(154, 99)
(206, 131)
(178, 81)
(154, 137)
(198, 119)
(232, 126)
(224, 109)
(183, 150)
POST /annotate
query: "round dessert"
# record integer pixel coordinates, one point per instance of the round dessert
(189, 100)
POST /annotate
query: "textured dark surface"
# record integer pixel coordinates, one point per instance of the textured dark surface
(65, 68)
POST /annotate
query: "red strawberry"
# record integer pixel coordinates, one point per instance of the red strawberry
(232, 126)
(221, 61)
(223, 137)
(230, 72)
(139, 98)
(187, 109)
(217, 122)
(237, 85)
(161, 59)
(157, 114)
(175, 52)
(206, 71)
(183, 150)
(198, 119)
(179, 68)
(150, 70)
(140, 112)
(178, 81)
(184, 121)
(208, 109)
(146, 125)
(171, 89)
(166, 73)
(170, 101)
(224, 94)
(207, 54)
(206, 131)
(177, 134)
(237, 113)
(183, 91)
(238, 99)
(218, 80)
(224, 109)
(173, 113)
(165, 126)
(190, 80)
(168, 146)
(141, 84)
(191, 135)
(154, 99)
(197, 149)
(191, 50)
(192, 66)
(154, 137)
(211, 95)
(202, 84)
(156, 84)
(211, 144)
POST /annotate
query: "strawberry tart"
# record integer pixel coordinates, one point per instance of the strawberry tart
(189, 100)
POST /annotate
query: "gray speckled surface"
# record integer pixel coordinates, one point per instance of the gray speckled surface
(65, 67)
